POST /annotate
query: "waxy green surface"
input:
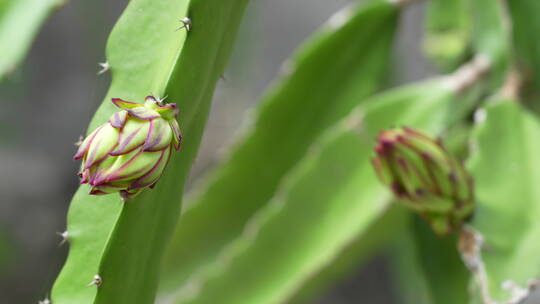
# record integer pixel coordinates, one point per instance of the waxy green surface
(446, 35)
(19, 23)
(124, 242)
(506, 168)
(323, 212)
(340, 66)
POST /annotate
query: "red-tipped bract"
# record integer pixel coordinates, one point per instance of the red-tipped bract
(130, 151)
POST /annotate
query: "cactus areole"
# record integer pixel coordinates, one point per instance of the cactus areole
(129, 152)
(424, 176)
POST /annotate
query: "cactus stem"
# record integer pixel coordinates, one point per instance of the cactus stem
(470, 73)
(512, 85)
(105, 66)
(96, 281)
(65, 237)
(186, 23)
(470, 245)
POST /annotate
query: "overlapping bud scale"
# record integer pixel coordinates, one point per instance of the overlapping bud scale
(129, 152)
(424, 176)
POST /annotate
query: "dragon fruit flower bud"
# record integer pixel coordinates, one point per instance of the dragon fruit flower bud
(424, 176)
(129, 152)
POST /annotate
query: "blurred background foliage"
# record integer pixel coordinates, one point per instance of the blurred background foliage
(321, 241)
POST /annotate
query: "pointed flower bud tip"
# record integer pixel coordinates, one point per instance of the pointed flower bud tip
(423, 175)
(129, 152)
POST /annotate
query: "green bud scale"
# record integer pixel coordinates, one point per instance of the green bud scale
(129, 152)
(425, 176)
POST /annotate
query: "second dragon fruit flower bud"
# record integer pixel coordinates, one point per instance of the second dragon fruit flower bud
(129, 152)
(425, 176)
